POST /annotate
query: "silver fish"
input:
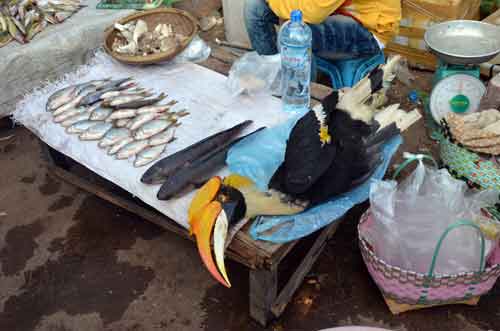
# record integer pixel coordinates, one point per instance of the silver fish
(150, 129)
(148, 155)
(122, 113)
(156, 109)
(116, 94)
(114, 136)
(118, 146)
(75, 119)
(97, 131)
(140, 120)
(100, 114)
(123, 122)
(132, 149)
(69, 113)
(61, 98)
(72, 104)
(122, 99)
(161, 138)
(80, 127)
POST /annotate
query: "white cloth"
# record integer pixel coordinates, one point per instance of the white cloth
(201, 91)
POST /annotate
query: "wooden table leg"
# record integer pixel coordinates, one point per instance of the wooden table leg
(263, 293)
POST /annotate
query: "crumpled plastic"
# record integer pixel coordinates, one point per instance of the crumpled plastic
(410, 218)
(255, 74)
(197, 51)
(258, 157)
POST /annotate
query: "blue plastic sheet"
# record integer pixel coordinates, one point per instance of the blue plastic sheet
(258, 158)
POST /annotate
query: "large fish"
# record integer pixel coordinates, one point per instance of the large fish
(160, 171)
(197, 172)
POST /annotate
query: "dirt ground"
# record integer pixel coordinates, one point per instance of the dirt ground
(70, 261)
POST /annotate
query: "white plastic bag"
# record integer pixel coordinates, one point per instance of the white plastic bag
(255, 74)
(409, 220)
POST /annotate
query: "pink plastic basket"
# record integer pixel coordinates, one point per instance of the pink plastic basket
(405, 290)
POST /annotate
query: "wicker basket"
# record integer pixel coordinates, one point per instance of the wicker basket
(181, 21)
(405, 290)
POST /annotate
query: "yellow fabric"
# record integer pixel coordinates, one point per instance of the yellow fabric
(381, 17)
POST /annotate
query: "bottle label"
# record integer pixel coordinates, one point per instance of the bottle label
(295, 57)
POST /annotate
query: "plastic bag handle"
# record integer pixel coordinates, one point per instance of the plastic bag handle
(443, 236)
(410, 158)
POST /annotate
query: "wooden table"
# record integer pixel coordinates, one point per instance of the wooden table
(262, 259)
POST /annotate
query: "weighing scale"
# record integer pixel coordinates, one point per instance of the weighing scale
(460, 46)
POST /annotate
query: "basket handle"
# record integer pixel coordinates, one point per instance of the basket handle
(410, 158)
(445, 234)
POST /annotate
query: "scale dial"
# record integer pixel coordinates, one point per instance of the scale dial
(458, 93)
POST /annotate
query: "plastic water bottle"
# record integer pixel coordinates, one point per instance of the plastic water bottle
(295, 42)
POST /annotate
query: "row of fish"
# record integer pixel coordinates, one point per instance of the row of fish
(126, 119)
(194, 165)
(21, 20)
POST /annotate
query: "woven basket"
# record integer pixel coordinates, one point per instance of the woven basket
(181, 21)
(405, 290)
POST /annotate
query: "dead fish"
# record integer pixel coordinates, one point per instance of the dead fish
(96, 132)
(150, 129)
(118, 146)
(161, 138)
(116, 94)
(122, 113)
(80, 127)
(95, 96)
(132, 149)
(148, 155)
(141, 103)
(157, 108)
(164, 168)
(123, 122)
(69, 113)
(75, 119)
(100, 114)
(114, 136)
(70, 105)
(60, 98)
(122, 100)
(140, 120)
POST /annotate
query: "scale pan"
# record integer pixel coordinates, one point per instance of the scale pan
(464, 42)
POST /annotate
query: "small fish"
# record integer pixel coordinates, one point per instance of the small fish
(113, 137)
(69, 113)
(132, 149)
(140, 120)
(161, 138)
(122, 113)
(122, 100)
(80, 127)
(72, 104)
(148, 155)
(150, 129)
(141, 103)
(116, 94)
(123, 122)
(100, 114)
(60, 98)
(96, 132)
(75, 119)
(118, 146)
(156, 109)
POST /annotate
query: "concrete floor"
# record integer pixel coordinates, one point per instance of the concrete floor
(70, 261)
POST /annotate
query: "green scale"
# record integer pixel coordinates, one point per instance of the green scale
(460, 46)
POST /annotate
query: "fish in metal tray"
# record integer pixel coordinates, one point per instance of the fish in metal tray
(148, 155)
(197, 172)
(162, 169)
(132, 149)
(96, 132)
(114, 136)
(151, 128)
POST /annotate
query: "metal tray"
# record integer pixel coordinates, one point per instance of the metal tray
(464, 42)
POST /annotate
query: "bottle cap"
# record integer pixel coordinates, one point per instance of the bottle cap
(296, 16)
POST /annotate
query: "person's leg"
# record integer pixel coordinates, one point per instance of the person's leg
(342, 37)
(260, 21)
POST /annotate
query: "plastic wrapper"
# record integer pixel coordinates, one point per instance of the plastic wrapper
(197, 51)
(410, 218)
(255, 74)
